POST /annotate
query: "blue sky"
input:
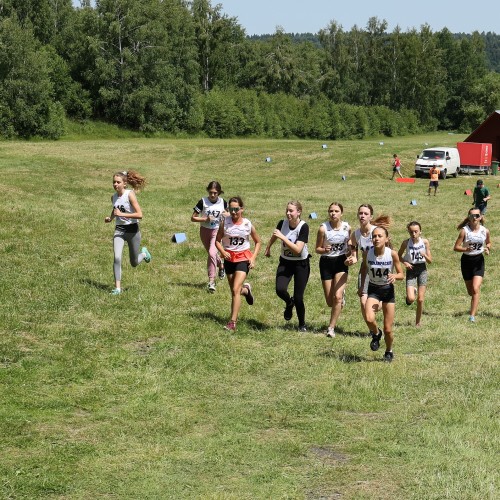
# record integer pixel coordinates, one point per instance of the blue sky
(301, 16)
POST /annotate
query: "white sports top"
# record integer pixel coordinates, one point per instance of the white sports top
(122, 203)
(292, 235)
(210, 209)
(379, 266)
(475, 240)
(414, 252)
(236, 236)
(364, 242)
(336, 238)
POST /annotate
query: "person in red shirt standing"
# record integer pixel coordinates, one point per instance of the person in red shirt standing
(396, 166)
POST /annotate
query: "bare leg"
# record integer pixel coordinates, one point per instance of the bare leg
(389, 310)
(336, 295)
(236, 281)
(420, 304)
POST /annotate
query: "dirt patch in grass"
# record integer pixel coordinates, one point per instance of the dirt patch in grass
(329, 455)
(143, 347)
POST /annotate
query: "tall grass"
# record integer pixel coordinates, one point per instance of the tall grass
(144, 395)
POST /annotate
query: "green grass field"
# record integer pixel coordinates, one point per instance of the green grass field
(144, 395)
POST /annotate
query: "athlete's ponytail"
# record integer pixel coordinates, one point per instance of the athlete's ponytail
(383, 220)
(136, 180)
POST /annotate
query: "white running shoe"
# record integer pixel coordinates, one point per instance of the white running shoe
(330, 333)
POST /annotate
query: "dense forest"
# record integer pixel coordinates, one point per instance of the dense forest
(179, 67)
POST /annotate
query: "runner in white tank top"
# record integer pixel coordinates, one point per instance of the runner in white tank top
(294, 262)
(417, 254)
(233, 243)
(380, 261)
(332, 243)
(360, 243)
(208, 212)
(127, 213)
(473, 242)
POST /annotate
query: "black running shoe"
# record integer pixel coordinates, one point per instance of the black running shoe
(248, 296)
(302, 329)
(388, 356)
(375, 343)
(288, 313)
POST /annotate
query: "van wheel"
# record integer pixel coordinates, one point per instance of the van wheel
(443, 174)
(455, 175)
(418, 174)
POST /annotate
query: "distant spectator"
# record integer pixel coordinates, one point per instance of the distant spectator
(434, 175)
(396, 166)
(481, 196)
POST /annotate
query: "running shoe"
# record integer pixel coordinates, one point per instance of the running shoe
(472, 319)
(388, 356)
(147, 255)
(231, 326)
(116, 291)
(302, 328)
(375, 343)
(211, 287)
(222, 273)
(248, 296)
(288, 313)
(330, 333)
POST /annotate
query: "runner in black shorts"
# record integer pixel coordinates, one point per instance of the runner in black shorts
(473, 241)
(233, 243)
(380, 261)
(332, 243)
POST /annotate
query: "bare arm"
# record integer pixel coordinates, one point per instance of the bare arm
(112, 215)
(398, 275)
(427, 255)
(321, 248)
(401, 251)
(267, 253)
(296, 248)
(258, 243)
(487, 243)
(460, 242)
(218, 241)
(353, 251)
(196, 217)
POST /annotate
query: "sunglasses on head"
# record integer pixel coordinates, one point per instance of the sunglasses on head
(474, 216)
(234, 209)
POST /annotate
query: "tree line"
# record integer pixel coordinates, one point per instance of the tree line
(175, 66)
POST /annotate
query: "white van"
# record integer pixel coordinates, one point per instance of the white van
(446, 159)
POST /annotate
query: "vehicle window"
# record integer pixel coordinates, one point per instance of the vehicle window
(433, 155)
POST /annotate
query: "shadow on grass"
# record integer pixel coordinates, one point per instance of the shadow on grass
(485, 314)
(198, 286)
(351, 333)
(488, 314)
(222, 320)
(345, 357)
(99, 286)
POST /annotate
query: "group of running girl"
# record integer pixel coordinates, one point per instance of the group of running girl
(226, 235)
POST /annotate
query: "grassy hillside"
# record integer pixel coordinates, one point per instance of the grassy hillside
(144, 395)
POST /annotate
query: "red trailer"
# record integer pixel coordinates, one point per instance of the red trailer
(475, 157)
